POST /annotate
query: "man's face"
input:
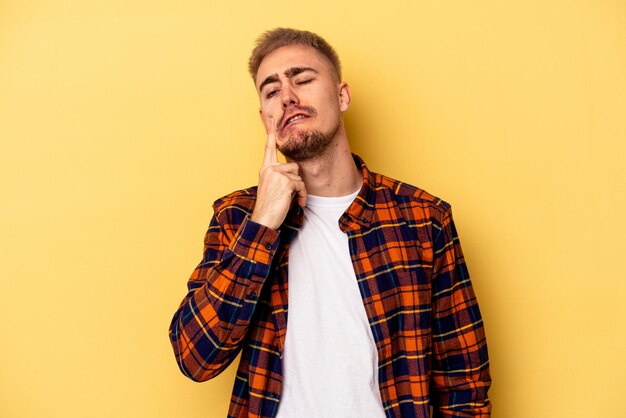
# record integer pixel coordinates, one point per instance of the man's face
(297, 90)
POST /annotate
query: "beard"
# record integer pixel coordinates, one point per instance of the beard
(307, 144)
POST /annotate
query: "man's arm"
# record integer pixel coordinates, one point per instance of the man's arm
(460, 374)
(208, 328)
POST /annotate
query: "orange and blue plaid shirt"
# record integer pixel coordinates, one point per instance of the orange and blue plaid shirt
(413, 280)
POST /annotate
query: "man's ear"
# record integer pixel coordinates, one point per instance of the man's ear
(345, 96)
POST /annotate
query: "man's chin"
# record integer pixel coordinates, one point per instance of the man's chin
(304, 145)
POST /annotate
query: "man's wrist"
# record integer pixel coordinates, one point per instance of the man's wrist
(259, 220)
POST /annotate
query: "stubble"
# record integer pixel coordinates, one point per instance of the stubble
(307, 144)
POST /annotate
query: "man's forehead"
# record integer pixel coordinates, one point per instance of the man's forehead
(291, 56)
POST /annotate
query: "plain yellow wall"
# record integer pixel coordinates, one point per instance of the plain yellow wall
(122, 121)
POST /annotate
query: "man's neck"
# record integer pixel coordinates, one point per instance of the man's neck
(333, 173)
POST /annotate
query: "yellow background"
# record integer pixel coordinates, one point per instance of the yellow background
(122, 121)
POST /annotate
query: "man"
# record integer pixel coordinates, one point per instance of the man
(383, 320)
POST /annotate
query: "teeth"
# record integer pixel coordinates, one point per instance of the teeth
(294, 118)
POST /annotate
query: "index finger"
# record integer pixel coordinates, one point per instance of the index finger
(271, 156)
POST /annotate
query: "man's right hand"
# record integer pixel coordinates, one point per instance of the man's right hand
(278, 183)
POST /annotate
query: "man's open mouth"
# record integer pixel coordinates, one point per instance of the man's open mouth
(294, 118)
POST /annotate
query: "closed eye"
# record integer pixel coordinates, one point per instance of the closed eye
(272, 93)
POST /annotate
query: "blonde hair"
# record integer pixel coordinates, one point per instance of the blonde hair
(279, 37)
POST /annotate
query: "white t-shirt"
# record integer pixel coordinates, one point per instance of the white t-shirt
(330, 362)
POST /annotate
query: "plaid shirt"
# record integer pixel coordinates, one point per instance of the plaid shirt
(413, 280)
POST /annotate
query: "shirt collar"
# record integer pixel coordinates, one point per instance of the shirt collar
(359, 213)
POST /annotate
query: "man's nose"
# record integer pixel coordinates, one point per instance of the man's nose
(288, 97)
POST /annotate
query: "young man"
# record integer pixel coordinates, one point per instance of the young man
(383, 320)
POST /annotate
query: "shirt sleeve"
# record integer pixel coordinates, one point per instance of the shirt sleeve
(460, 367)
(212, 321)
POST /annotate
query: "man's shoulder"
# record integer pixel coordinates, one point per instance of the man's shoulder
(409, 196)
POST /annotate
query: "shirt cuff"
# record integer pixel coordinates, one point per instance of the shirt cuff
(255, 242)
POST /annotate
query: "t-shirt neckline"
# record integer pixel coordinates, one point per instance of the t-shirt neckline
(331, 202)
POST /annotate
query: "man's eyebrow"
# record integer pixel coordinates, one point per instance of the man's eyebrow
(294, 71)
(289, 73)
(270, 79)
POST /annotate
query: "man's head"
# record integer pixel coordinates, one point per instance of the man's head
(298, 78)
(271, 40)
